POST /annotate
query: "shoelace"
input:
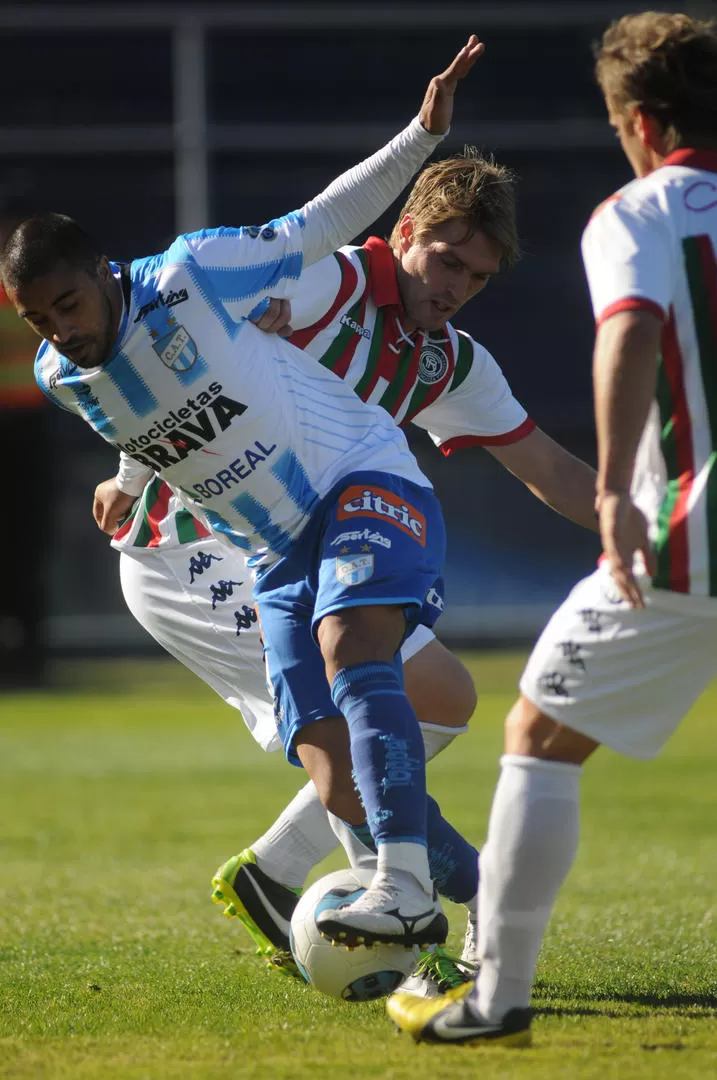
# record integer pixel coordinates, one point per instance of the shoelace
(448, 971)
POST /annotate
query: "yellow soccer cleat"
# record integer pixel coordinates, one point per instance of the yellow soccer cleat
(453, 1019)
(263, 905)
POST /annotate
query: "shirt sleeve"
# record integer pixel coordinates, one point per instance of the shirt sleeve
(629, 259)
(355, 199)
(47, 379)
(316, 292)
(132, 477)
(248, 264)
(481, 411)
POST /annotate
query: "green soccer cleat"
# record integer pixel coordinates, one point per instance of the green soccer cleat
(451, 1019)
(437, 973)
(263, 905)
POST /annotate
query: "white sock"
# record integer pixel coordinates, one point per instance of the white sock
(299, 839)
(359, 856)
(532, 841)
(436, 737)
(406, 857)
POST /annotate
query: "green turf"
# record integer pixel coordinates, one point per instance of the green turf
(117, 804)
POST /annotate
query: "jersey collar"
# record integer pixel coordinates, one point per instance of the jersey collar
(693, 159)
(384, 284)
(385, 294)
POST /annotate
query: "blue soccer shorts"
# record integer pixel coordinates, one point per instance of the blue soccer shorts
(374, 539)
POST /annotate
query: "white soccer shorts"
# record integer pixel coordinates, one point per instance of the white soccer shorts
(623, 677)
(195, 601)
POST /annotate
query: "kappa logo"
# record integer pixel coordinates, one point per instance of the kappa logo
(432, 366)
(357, 328)
(255, 231)
(379, 503)
(353, 569)
(161, 301)
(434, 598)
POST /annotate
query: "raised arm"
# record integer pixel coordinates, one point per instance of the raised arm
(355, 199)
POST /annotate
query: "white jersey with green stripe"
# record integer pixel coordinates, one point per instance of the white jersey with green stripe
(651, 246)
(346, 311)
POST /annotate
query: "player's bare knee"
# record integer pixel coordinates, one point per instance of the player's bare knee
(530, 733)
(526, 729)
(461, 699)
(439, 687)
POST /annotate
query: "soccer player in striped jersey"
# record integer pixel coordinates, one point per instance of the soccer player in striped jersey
(634, 644)
(294, 461)
(377, 316)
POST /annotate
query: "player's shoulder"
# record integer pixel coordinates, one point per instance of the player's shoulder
(465, 343)
(288, 225)
(472, 360)
(642, 203)
(353, 254)
(46, 357)
(617, 201)
(48, 370)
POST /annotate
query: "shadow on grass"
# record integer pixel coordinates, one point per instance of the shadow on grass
(658, 1002)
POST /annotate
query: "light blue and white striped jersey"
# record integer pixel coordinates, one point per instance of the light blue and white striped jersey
(249, 432)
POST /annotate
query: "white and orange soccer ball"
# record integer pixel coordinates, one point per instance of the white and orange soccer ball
(360, 974)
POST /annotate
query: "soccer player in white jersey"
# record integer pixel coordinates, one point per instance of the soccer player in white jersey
(634, 645)
(361, 313)
(293, 460)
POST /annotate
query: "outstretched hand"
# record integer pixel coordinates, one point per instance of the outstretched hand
(437, 108)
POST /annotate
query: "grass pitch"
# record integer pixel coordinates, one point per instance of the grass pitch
(117, 803)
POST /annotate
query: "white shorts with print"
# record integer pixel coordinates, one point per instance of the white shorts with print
(195, 601)
(622, 676)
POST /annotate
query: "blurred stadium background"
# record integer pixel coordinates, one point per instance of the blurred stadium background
(144, 119)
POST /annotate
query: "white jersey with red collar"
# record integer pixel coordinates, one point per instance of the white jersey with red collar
(249, 432)
(651, 247)
(347, 312)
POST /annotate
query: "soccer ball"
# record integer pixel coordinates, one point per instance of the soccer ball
(359, 974)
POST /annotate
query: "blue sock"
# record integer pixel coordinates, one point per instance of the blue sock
(452, 860)
(387, 750)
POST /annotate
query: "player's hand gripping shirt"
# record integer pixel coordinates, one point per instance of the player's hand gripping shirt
(651, 246)
(249, 431)
(347, 313)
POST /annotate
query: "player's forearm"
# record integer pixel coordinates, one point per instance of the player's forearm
(560, 480)
(624, 377)
(132, 477)
(570, 491)
(355, 199)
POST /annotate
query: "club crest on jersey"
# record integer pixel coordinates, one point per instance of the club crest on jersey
(353, 569)
(379, 503)
(432, 366)
(177, 349)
